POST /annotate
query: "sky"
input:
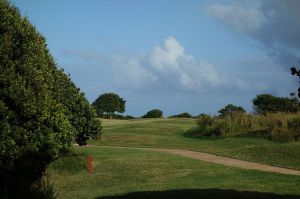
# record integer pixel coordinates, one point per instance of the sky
(175, 55)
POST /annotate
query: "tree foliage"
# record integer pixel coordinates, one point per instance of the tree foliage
(182, 115)
(41, 110)
(231, 110)
(108, 104)
(155, 113)
(265, 103)
(296, 72)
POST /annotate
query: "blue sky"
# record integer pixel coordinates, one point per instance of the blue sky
(178, 56)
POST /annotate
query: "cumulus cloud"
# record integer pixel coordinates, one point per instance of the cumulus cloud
(126, 71)
(172, 64)
(273, 23)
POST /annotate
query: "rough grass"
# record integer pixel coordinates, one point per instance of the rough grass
(171, 133)
(128, 173)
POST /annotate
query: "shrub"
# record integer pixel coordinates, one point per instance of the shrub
(155, 113)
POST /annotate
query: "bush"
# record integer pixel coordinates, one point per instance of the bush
(155, 113)
(181, 115)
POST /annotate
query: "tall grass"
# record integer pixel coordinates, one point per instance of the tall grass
(283, 127)
(274, 126)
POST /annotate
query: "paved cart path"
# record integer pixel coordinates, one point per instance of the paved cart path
(215, 159)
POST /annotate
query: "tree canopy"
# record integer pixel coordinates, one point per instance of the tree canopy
(182, 115)
(231, 110)
(296, 72)
(154, 113)
(108, 104)
(265, 103)
(41, 110)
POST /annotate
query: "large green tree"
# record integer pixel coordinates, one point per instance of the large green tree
(108, 104)
(41, 110)
(265, 103)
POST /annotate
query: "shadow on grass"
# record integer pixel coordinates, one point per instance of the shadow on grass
(251, 134)
(195, 134)
(200, 194)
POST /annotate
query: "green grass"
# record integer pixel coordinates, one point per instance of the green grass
(170, 133)
(129, 173)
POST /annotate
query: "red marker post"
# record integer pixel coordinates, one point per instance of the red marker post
(91, 165)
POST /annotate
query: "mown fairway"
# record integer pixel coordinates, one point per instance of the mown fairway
(133, 173)
(128, 173)
(170, 133)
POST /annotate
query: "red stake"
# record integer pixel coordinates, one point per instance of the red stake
(91, 166)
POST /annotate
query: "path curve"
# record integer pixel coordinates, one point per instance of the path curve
(215, 159)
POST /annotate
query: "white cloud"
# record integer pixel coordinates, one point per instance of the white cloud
(171, 63)
(126, 71)
(165, 68)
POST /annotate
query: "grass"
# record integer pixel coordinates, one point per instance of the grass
(129, 173)
(171, 133)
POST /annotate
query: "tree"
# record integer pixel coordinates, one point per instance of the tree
(265, 103)
(41, 109)
(296, 72)
(108, 104)
(181, 115)
(155, 113)
(231, 110)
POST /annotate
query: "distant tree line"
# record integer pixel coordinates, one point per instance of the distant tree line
(108, 105)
